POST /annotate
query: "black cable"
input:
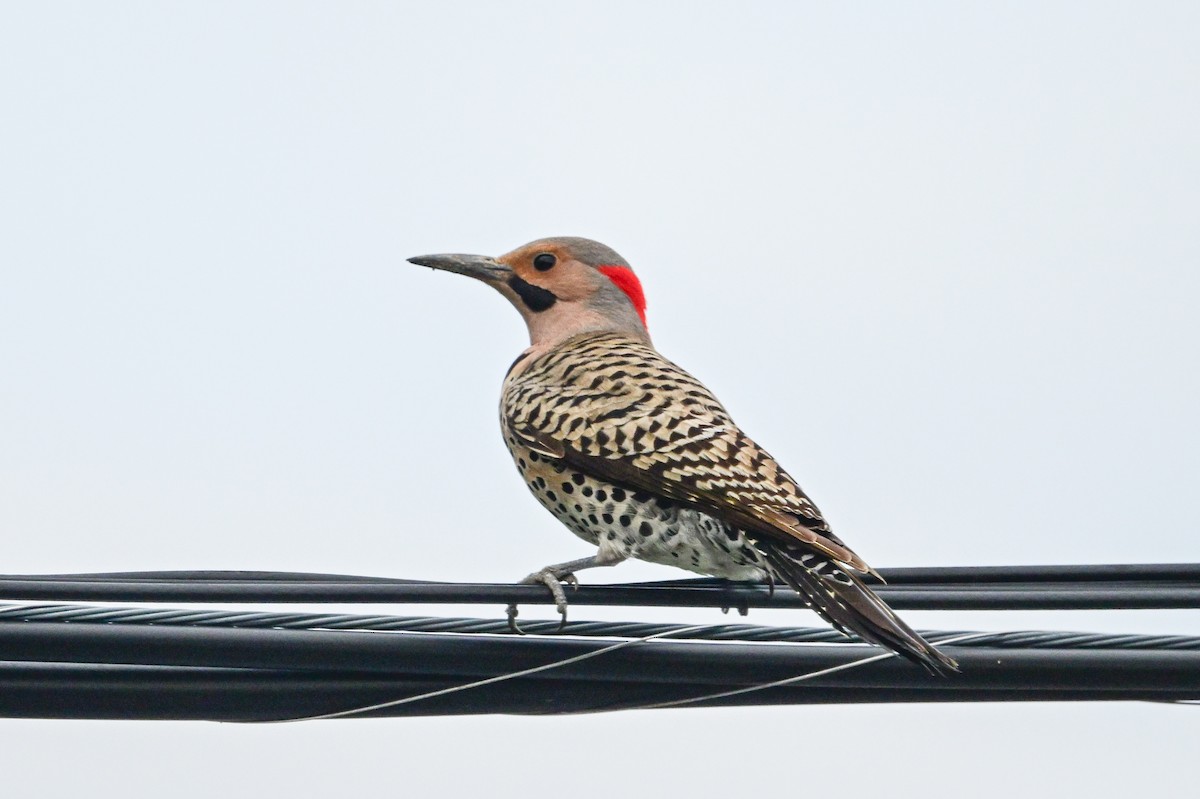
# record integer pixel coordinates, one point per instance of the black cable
(158, 617)
(93, 664)
(954, 588)
(895, 576)
(73, 661)
(143, 693)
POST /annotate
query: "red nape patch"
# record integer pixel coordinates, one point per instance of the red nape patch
(627, 282)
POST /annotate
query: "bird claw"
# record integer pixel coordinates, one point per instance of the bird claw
(733, 601)
(743, 608)
(511, 611)
(554, 582)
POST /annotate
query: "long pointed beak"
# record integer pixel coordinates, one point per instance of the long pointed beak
(480, 267)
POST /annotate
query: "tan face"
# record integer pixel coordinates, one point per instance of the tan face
(551, 266)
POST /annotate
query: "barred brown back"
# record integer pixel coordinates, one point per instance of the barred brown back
(615, 404)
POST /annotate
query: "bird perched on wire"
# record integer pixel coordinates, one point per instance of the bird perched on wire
(637, 457)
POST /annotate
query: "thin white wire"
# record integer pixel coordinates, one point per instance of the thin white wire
(612, 648)
(498, 678)
(791, 680)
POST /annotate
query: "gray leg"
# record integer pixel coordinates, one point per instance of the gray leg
(553, 578)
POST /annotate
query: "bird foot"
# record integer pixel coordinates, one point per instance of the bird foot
(553, 580)
(743, 608)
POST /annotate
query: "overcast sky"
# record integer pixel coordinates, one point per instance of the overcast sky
(941, 259)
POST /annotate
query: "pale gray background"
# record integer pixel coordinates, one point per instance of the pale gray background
(940, 258)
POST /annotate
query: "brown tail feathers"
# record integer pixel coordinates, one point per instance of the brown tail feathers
(842, 599)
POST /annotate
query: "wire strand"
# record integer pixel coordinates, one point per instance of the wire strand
(790, 680)
(490, 680)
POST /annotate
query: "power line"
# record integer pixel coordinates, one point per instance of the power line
(118, 668)
(953, 588)
(81, 661)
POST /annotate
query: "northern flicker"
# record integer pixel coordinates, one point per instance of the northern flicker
(637, 457)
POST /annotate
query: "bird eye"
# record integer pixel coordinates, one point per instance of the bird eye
(544, 262)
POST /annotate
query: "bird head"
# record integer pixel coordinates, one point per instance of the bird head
(561, 286)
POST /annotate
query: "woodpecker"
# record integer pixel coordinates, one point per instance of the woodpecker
(638, 458)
